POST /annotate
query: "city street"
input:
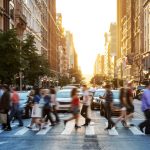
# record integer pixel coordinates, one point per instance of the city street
(93, 137)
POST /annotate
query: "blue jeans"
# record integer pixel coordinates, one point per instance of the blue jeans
(15, 112)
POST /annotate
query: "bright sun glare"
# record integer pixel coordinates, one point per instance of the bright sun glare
(87, 20)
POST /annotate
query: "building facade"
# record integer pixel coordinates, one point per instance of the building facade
(99, 65)
(4, 15)
(146, 52)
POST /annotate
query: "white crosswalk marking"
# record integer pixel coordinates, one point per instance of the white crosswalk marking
(3, 142)
(68, 128)
(22, 131)
(90, 130)
(1, 131)
(136, 131)
(113, 131)
(44, 131)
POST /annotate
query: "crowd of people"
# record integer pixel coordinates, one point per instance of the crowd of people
(42, 104)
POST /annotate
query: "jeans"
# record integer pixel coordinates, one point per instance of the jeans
(15, 111)
(147, 116)
(6, 125)
(84, 113)
(47, 113)
(108, 115)
(55, 113)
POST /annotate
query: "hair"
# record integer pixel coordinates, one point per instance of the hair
(122, 94)
(52, 91)
(5, 86)
(73, 92)
(107, 86)
(37, 91)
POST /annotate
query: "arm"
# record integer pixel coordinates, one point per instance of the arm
(144, 105)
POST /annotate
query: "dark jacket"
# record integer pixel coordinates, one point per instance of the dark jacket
(109, 96)
(5, 101)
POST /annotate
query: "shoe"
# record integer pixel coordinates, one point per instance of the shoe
(29, 127)
(141, 129)
(52, 124)
(7, 129)
(132, 125)
(65, 122)
(76, 127)
(85, 124)
(20, 125)
(108, 128)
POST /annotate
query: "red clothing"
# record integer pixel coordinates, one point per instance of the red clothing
(75, 101)
(15, 97)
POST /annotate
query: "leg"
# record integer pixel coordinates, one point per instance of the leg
(83, 111)
(56, 114)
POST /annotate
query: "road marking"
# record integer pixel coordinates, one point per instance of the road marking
(22, 131)
(3, 142)
(111, 131)
(1, 131)
(90, 130)
(68, 128)
(44, 131)
(136, 131)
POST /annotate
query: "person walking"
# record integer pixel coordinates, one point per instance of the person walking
(85, 107)
(123, 102)
(37, 109)
(146, 109)
(15, 110)
(54, 104)
(108, 96)
(47, 109)
(75, 108)
(5, 107)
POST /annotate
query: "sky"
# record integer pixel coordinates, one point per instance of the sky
(88, 20)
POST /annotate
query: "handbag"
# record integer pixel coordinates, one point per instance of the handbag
(3, 118)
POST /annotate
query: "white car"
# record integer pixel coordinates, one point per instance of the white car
(63, 97)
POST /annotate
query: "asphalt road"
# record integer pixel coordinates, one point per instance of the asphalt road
(93, 137)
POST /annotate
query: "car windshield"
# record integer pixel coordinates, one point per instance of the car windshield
(23, 95)
(99, 93)
(64, 94)
(115, 94)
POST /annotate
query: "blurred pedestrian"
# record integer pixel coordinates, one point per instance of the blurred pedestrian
(123, 104)
(30, 102)
(1, 90)
(129, 100)
(146, 109)
(85, 107)
(54, 104)
(37, 109)
(5, 107)
(15, 110)
(75, 108)
(108, 96)
(47, 109)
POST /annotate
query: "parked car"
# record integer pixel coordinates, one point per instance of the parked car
(116, 108)
(80, 94)
(68, 87)
(96, 101)
(63, 97)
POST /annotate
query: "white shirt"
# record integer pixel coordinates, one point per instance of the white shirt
(86, 98)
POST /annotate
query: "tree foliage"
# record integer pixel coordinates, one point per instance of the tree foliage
(98, 79)
(21, 56)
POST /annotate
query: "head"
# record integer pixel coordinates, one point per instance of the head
(5, 87)
(32, 92)
(148, 85)
(52, 91)
(73, 92)
(130, 84)
(84, 87)
(108, 87)
(37, 91)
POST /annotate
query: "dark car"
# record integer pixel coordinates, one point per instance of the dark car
(96, 101)
(116, 108)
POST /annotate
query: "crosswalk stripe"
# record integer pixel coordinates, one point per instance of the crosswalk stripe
(22, 131)
(136, 131)
(90, 130)
(68, 128)
(44, 131)
(1, 131)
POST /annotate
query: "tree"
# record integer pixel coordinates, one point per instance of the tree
(9, 56)
(76, 73)
(64, 80)
(34, 65)
(98, 79)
